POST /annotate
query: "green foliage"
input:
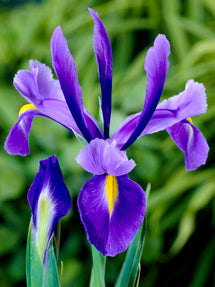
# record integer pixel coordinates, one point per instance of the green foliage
(36, 273)
(179, 245)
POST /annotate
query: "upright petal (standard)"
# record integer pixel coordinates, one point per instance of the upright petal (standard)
(103, 53)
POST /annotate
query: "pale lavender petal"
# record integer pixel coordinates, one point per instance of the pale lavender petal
(192, 101)
(102, 156)
(115, 161)
(17, 140)
(192, 142)
(156, 67)
(48, 196)
(46, 85)
(91, 157)
(111, 233)
(37, 84)
(65, 69)
(103, 53)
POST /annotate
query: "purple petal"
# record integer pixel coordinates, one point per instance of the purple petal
(103, 53)
(37, 84)
(156, 67)
(125, 129)
(40, 89)
(65, 69)
(191, 141)
(190, 102)
(111, 233)
(45, 94)
(17, 140)
(101, 157)
(48, 196)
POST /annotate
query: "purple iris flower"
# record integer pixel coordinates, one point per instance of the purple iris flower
(111, 206)
(49, 200)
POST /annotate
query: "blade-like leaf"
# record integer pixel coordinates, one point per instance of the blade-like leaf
(34, 266)
(36, 274)
(50, 277)
(130, 272)
(98, 270)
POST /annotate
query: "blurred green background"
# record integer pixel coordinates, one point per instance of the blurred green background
(180, 246)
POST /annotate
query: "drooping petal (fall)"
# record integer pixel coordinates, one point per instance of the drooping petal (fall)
(156, 67)
(17, 140)
(65, 69)
(103, 53)
(102, 156)
(49, 200)
(192, 142)
(112, 210)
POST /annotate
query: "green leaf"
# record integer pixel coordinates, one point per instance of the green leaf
(50, 276)
(130, 272)
(98, 271)
(36, 274)
(34, 267)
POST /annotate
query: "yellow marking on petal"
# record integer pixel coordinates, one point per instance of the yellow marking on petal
(111, 188)
(190, 120)
(44, 217)
(26, 108)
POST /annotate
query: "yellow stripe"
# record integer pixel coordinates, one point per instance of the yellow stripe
(26, 108)
(190, 120)
(111, 188)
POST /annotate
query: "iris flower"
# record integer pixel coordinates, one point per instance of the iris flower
(49, 200)
(111, 206)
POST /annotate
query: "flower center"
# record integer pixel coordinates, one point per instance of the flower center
(26, 108)
(111, 188)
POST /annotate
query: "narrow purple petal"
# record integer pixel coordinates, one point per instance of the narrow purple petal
(65, 69)
(17, 140)
(103, 53)
(192, 142)
(102, 156)
(156, 67)
(48, 196)
(111, 234)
